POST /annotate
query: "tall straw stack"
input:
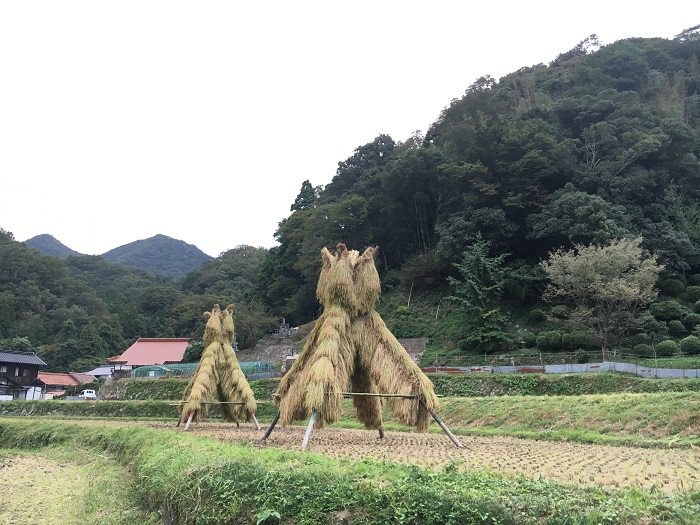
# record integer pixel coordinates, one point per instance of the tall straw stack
(351, 347)
(218, 375)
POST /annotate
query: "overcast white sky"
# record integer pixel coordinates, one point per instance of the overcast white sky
(200, 120)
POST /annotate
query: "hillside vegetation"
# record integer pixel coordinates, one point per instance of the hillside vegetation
(598, 149)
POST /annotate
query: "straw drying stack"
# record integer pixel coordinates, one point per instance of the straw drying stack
(351, 348)
(218, 375)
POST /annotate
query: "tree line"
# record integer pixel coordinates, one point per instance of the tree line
(599, 147)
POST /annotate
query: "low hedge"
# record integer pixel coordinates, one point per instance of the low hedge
(457, 385)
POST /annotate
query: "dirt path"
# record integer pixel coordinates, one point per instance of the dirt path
(666, 469)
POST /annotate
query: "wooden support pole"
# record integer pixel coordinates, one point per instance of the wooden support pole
(381, 433)
(446, 430)
(307, 434)
(255, 420)
(369, 394)
(272, 425)
(189, 420)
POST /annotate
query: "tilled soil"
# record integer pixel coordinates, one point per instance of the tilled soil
(665, 469)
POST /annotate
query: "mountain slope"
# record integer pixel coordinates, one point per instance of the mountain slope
(161, 255)
(49, 245)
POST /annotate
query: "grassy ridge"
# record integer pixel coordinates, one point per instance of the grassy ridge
(659, 419)
(194, 480)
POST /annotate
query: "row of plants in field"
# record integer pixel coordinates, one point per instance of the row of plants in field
(193, 480)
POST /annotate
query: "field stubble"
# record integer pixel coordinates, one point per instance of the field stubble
(583, 464)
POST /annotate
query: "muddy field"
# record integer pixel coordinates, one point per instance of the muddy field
(665, 469)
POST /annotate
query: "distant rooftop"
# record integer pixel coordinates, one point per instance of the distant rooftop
(153, 351)
(20, 358)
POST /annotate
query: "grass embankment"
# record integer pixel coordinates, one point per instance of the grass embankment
(67, 485)
(660, 419)
(194, 480)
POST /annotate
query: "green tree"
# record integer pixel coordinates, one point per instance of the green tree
(307, 197)
(607, 285)
(477, 293)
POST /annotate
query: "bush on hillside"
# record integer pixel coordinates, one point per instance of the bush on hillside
(691, 321)
(671, 287)
(690, 345)
(667, 348)
(536, 316)
(643, 349)
(694, 280)
(530, 339)
(667, 310)
(693, 293)
(676, 328)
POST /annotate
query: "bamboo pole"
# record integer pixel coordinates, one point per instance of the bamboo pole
(255, 420)
(450, 435)
(307, 434)
(189, 420)
(272, 425)
(368, 394)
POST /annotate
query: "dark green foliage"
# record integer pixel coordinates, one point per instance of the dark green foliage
(667, 310)
(691, 321)
(667, 348)
(159, 255)
(693, 293)
(581, 356)
(536, 315)
(530, 339)
(676, 328)
(671, 287)
(690, 345)
(643, 349)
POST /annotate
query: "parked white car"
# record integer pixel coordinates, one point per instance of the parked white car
(88, 394)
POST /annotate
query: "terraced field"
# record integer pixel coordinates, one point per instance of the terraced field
(663, 469)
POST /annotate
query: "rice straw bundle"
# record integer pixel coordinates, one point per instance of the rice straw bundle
(350, 346)
(218, 375)
(320, 374)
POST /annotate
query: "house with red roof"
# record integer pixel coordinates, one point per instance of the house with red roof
(56, 384)
(149, 351)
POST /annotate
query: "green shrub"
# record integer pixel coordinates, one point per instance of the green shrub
(553, 340)
(536, 316)
(541, 342)
(693, 293)
(581, 356)
(676, 328)
(691, 320)
(566, 341)
(694, 280)
(696, 307)
(530, 339)
(560, 311)
(583, 340)
(690, 345)
(644, 349)
(666, 348)
(671, 287)
(667, 310)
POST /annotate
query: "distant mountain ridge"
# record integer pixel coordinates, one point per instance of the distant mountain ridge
(160, 254)
(49, 245)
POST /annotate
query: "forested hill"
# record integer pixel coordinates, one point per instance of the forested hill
(601, 143)
(599, 147)
(161, 255)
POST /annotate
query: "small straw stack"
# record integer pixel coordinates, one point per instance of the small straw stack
(218, 375)
(350, 346)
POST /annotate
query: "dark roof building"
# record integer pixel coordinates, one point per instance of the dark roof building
(18, 375)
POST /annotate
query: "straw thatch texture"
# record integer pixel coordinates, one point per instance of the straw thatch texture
(350, 346)
(218, 375)
(320, 374)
